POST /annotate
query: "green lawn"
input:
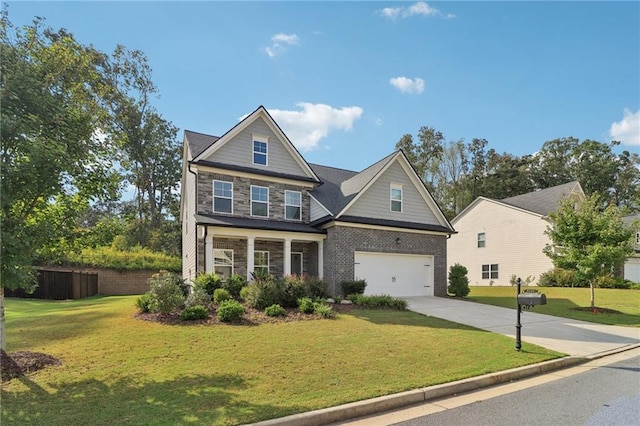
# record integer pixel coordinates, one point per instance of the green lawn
(563, 301)
(120, 370)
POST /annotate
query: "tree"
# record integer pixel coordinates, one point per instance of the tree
(52, 161)
(550, 165)
(588, 239)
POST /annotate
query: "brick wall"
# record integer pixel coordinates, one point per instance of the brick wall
(116, 283)
(342, 241)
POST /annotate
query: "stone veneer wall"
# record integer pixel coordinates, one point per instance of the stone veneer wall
(342, 241)
(116, 283)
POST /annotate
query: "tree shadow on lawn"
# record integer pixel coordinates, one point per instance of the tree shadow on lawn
(198, 399)
(406, 318)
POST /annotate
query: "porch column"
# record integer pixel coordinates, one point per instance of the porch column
(320, 259)
(287, 256)
(208, 253)
(250, 250)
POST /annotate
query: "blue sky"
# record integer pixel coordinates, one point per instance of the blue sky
(345, 80)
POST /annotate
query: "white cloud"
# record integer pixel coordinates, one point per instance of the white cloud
(407, 85)
(627, 130)
(307, 127)
(280, 42)
(417, 9)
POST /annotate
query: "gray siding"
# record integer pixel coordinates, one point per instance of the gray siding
(239, 151)
(242, 195)
(317, 211)
(375, 202)
(343, 241)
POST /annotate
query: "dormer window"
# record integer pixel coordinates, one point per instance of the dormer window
(396, 198)
(260, 151)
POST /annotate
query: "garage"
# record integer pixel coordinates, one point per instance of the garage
(632, 269)
(398, 275)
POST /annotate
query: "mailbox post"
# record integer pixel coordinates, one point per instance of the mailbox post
(529, 299)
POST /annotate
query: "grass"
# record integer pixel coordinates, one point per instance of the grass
(120, 370)
(562, 302)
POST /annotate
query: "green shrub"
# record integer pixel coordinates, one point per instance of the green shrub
(193, 313)
(198, 296)
(607, 281)
(293, 288)
(458, 281)
(324, 310)
(144, 303)
(353, 287)
(122, 258)
(177, 280)
(165, 294)
(305, 305)
(230, 310)
(243, 292)
(264, 291)
(558, 277)
(275, 311)
(210, 282)
(234, 284)
(382, 301)
(220, 295)
(316, 288)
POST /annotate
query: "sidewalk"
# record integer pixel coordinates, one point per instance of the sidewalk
(583, 341)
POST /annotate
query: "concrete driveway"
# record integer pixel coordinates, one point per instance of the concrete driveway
(572, 337)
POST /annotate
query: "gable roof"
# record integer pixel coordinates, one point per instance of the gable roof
(546, 200)
(206, 145)
(341, 188)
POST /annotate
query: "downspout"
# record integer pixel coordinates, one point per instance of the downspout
(195, 204)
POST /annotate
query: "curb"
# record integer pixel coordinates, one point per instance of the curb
(380, 404)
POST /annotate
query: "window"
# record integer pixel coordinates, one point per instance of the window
(259, 201)
(396, 198)
(490, 272)
(222, 196)
(482, 238)
(261, 262)
(260, 152)
(292, 205)
(223, 263)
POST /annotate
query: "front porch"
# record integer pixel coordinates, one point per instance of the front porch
(228, 251)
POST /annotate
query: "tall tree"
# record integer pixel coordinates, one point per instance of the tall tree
(550, 165)
(507, 176)
(587, 239)
(52, 163)
(451, 190)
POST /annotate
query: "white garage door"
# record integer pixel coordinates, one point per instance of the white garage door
(397, 275)
(632, 269)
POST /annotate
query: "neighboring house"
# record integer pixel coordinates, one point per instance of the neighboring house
(251, 202)
(632, 264)
(500, 238)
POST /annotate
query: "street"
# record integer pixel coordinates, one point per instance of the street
(602, 392)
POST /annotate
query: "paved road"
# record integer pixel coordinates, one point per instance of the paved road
(605, 396)
(572, 337)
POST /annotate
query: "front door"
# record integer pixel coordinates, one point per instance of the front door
(296, 263)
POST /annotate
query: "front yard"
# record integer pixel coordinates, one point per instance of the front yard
(117, 369)
(571, 303)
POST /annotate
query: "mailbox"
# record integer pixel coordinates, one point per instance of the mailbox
(532, 299)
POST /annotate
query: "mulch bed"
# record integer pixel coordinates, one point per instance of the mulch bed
(17, 364)
(596, 310)
(251, 317)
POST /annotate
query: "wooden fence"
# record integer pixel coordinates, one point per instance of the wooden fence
(60, 285)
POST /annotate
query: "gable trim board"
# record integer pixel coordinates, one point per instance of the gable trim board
(243, 124)
(367, 223)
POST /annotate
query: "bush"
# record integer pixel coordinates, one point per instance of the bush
(122, 258)
(264, 291)
(198, 297)
(353, 287)
(220, 295)
(234, 284)
(165, 294)
(230, 310)
(243, 292)
(324, 310)
(177, 280)
(382, 301)
(293, 288)
(316, 288)
(144, 303)
(558, 277)
(275, 311)
(607, 281)
(193, 313)
(209, 282)
(458, 281)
